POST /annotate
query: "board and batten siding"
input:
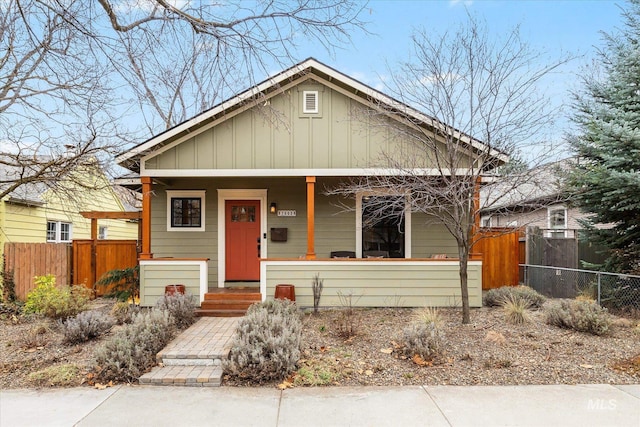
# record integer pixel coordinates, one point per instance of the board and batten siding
(281, 137)
(375, 283)
(156, 274)
(430, 237)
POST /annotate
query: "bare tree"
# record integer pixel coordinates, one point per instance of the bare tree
(75, 74)
(466, 102)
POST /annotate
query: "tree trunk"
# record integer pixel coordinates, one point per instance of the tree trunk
(464, 290)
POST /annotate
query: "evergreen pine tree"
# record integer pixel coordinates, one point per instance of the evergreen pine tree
(606, 179)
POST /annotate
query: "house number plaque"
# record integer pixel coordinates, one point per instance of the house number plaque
(286, 212)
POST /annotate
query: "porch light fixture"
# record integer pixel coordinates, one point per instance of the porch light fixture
(273, 208)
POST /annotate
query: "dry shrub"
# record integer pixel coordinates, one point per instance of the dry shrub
(124, 312)
(348, 321)
(496, 297)
(267, 342)
(424, 339)
(132, 351)
(37, 335)
(180, 307)
(86, 326)
(581, 316)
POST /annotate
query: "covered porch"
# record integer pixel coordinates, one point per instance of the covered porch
(319, 238)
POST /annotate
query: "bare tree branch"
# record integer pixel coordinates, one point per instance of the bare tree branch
(482, 98)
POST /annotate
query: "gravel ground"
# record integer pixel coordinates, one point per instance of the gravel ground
(486, 352)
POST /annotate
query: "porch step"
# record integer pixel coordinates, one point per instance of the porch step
(195, 357)
(233, 296)
(228, 302)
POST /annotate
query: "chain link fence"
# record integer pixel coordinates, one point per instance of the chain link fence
(618, 292)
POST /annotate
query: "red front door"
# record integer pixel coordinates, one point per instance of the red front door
(242, 221)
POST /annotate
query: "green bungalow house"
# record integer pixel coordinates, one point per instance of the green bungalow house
(237, 196)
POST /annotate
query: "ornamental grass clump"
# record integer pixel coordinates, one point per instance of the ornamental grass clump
(132, 351)
(180, 307)
(267, 342)
(583, 316)
(86, 326)
(496, 297)
(516, 310)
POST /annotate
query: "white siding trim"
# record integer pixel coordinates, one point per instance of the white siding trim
(239, 194)
(203, 266)
(159, 173)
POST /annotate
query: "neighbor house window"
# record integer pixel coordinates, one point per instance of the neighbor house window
(102, 232)
(557, 218)
(185, 210)
(486, 221)
(58, 232)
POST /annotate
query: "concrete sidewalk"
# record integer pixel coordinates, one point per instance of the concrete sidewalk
(566, 405)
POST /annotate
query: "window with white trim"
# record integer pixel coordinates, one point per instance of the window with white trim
(557, 221)
(58, 232)
(185, 210)
(102, 232)
(310, 102)
(485, 221)
(383, 220)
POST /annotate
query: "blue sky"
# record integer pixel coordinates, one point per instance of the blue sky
(554, 27)
(551, 26)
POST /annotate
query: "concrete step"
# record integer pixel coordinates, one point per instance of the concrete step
(191, 376)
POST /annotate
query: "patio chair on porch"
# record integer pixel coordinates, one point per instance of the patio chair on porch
(343, 254)
(375, 254)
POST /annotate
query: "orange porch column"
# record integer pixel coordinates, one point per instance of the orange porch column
(311, 217)
(146, 218)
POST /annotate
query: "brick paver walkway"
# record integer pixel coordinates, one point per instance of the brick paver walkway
(194, 357)
(207, 339)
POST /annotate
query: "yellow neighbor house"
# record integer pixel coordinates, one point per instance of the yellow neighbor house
(39, 213)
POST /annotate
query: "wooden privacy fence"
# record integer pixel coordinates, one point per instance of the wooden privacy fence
(500, 250)
(109, 255)
(71, 264)
(27, 260)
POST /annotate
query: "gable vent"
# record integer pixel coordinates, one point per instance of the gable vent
(310, 102)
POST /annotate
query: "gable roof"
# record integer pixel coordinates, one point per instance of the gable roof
(544, 184)
(34, 193)
(130, 159)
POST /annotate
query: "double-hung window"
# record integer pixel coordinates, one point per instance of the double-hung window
(58, 232)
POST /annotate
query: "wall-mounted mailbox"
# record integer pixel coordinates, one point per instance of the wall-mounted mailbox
(279, 234)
